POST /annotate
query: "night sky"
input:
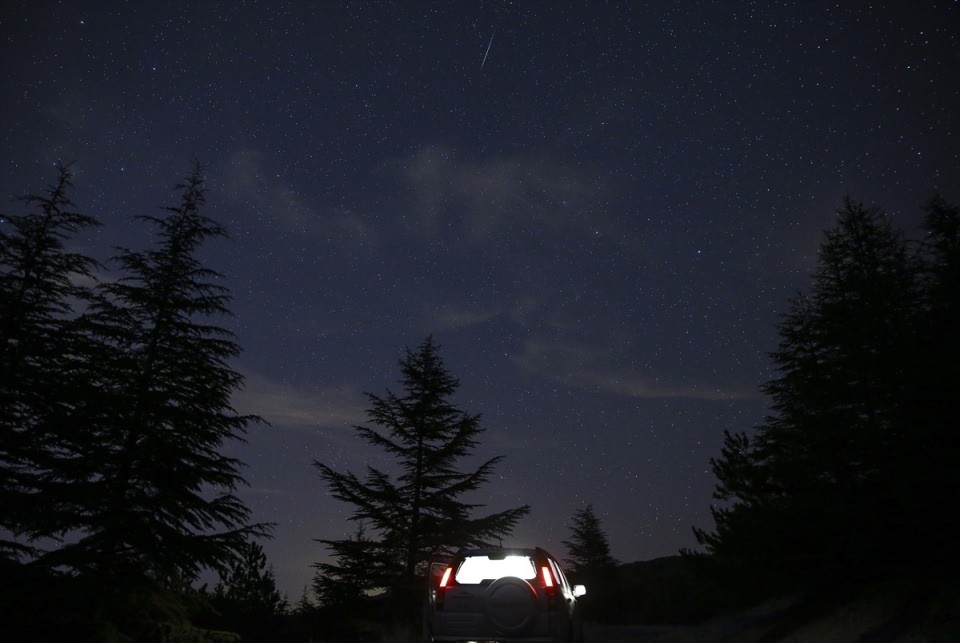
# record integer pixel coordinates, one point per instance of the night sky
(599, 210)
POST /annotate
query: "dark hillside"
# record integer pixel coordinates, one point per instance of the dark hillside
(660, 604)
(884, 612)
(663, 591)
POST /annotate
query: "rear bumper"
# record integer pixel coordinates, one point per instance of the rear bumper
(497, 639)
(454, 628)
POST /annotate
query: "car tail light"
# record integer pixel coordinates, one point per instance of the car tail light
(446, 577)
(442, 586)
(547, 577)
(549, 586)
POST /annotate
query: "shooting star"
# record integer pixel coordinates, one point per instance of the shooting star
(488, 50)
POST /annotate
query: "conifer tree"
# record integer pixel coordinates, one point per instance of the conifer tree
(162, 504)
(590, 563)
(344, 582)
(114, 403)
(588, 548)
(928, 459)
(850, 466)
(418, 514)
(249, 584)
(246, 599)
(840, 396)
(42, 285)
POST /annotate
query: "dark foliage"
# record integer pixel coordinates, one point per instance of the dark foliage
(590, 564)
(588, 548)
(663, 591)
(43, 287)
(116, 402)
(418, 514)
(164, 503)
(853, 476)
(247, 602)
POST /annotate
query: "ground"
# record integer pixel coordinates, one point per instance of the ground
(889, 614)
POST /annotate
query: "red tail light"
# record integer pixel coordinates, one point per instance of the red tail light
(549, 587)
(446, 577)
(442, 586)
(547, 577)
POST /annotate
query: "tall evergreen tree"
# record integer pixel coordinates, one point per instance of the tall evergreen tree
(928, 460)
(418, 514)
(345, 581)
(804, 497)
(249, 584)
(246, 600)
(162, 505)
(42, 283)
(590, 563)
(588, 548)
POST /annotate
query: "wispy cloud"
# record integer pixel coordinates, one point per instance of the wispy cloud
(248, 177)
(583, 365)
(653, 388)
(480, 200)
(287, 407)
(461, 315)
(450, 316)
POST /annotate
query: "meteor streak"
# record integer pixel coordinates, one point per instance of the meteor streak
(488, 51)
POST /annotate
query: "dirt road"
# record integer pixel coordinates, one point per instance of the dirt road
(596, 633)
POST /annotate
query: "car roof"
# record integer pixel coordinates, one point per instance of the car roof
(500, 552)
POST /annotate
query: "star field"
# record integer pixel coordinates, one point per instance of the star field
(599, 214)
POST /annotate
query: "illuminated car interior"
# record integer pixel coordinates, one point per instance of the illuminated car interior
(477, 569)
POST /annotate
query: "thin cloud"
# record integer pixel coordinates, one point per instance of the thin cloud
(249, 179)
(652, 389)
(480, 201)
(287, 407)
(463, 315)
(447, 317)
(585, 366)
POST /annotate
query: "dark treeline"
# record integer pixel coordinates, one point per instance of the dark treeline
(115, 391)
(853, 478)
(114, 405)
(114, 402)
(376, 584)
(850, 481)
(591, 564)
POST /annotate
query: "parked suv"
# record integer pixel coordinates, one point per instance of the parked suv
(504, 595)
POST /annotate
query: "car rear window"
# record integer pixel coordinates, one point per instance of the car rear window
(477, 569)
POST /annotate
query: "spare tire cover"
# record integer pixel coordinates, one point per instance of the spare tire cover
(510, 605)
